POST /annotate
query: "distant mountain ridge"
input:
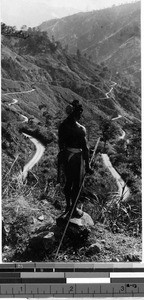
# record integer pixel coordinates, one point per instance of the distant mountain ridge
(111, 35)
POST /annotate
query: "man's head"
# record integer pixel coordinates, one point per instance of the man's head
(75, 110)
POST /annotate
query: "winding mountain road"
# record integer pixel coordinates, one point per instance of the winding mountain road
(25, 119)
(19, 92)
(14, 102)
(121, 137)
(111, 91)
(37, 156)
(39, 147)
(123, 190)
(116, 118)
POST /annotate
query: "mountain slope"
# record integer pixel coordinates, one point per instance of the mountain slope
(59, 78)
(56, 75)
(101, 35)
(39, 79)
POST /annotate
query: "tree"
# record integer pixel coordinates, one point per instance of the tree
(48, 119)
(24, 27)
(53, 39)
(108, 129)
(42, 106)
(134, 147)
(8, 30)
(66, 48)
(30, 121)
(58, 117)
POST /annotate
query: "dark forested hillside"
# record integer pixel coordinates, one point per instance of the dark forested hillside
(39, 78)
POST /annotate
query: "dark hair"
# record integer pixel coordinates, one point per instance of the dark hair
(77, 107)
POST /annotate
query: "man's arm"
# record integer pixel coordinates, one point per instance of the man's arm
(86, 152)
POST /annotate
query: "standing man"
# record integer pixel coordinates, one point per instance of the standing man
(73, 154)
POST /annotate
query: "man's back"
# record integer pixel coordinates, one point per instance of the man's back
(71, 134)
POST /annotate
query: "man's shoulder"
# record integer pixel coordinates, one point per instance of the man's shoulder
(81, 127)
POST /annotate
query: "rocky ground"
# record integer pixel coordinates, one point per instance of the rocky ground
(33, 234)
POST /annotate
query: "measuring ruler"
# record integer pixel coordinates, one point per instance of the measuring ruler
(68, 290)
(71, 280)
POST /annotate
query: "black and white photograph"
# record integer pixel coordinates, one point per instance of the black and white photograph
(71, 131)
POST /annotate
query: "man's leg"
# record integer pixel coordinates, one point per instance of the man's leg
(75, 190)
(77, 181)
(68, 184)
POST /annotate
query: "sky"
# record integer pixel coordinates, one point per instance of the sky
(34, 12)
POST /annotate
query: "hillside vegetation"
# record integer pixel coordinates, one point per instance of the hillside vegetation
(110, 35)
(44, 77)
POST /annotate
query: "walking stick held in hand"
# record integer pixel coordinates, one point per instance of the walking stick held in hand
(76, 200)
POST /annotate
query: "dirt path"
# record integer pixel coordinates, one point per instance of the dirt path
(25, 119)
(122, 136)
(14, 101)
(116, 118)
(19, 92)
(111, 91)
